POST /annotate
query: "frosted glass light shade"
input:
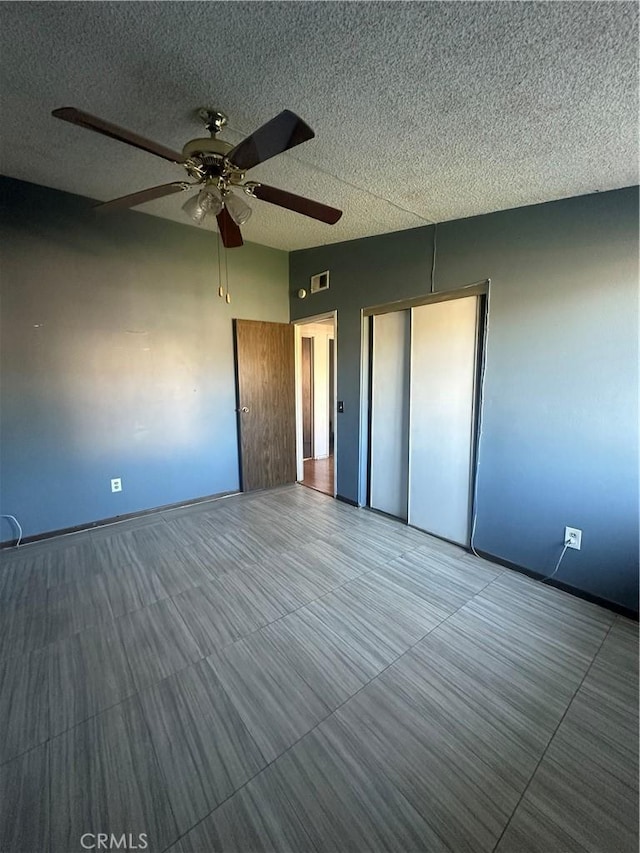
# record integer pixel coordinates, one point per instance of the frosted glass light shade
(211, 199)
(193, 210)
(238, 209)
(208, 200)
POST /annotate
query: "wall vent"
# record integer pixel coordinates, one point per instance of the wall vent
(320, 282)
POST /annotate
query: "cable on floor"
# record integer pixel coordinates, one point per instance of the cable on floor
(564, 551)
(17, 524)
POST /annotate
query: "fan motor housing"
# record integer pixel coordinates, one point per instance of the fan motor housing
(206, 146)
(206, 158)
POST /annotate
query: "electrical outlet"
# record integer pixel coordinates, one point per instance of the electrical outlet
(573, 537)
(116, 484)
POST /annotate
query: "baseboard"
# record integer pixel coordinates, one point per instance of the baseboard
(565, 587)
(103, 522)
(346, 500)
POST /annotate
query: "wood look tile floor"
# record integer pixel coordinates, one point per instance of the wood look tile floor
(229, 677)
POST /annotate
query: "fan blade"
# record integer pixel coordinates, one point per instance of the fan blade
(314, 209)
(229, 231)
(281, 133)
(82, 119)
(139, 198)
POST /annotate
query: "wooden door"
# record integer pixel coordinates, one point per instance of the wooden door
(265, 382)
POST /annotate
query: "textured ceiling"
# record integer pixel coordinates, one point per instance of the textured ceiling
(423, 112)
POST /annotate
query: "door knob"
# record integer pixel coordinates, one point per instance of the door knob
(243, 409)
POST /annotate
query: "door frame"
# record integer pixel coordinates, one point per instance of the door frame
(312, 398)
(481, 289)
(298, 328)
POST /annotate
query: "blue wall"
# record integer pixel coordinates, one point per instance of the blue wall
(117, 358)
(560, 435)
(117, 361)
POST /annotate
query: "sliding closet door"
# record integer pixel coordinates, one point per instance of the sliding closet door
(443, 366)
(390, 413)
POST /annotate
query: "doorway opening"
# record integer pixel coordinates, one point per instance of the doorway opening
(316, 402)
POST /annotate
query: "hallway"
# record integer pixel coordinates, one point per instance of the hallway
(318, 475)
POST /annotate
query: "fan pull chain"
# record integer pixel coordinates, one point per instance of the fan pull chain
(226, 270)
(220, 287)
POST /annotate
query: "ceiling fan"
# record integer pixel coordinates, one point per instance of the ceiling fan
(217, 168)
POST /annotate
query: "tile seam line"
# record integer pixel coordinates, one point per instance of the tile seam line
(138, 690)
(409, 550)
(300, 675)
(323, 720)
(49, 740)
(134, 698)
(98, 623)
(318, 598)
(493, 580)
(549, 742)
(135, 693)
(351, 580)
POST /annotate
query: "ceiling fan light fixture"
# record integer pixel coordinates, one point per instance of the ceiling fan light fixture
(216, 167)
(211, 198)
(208, 200)
(194, 211)
(238, 209)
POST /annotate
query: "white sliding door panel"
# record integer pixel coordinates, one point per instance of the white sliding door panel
(390, 413)
(443, 366)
